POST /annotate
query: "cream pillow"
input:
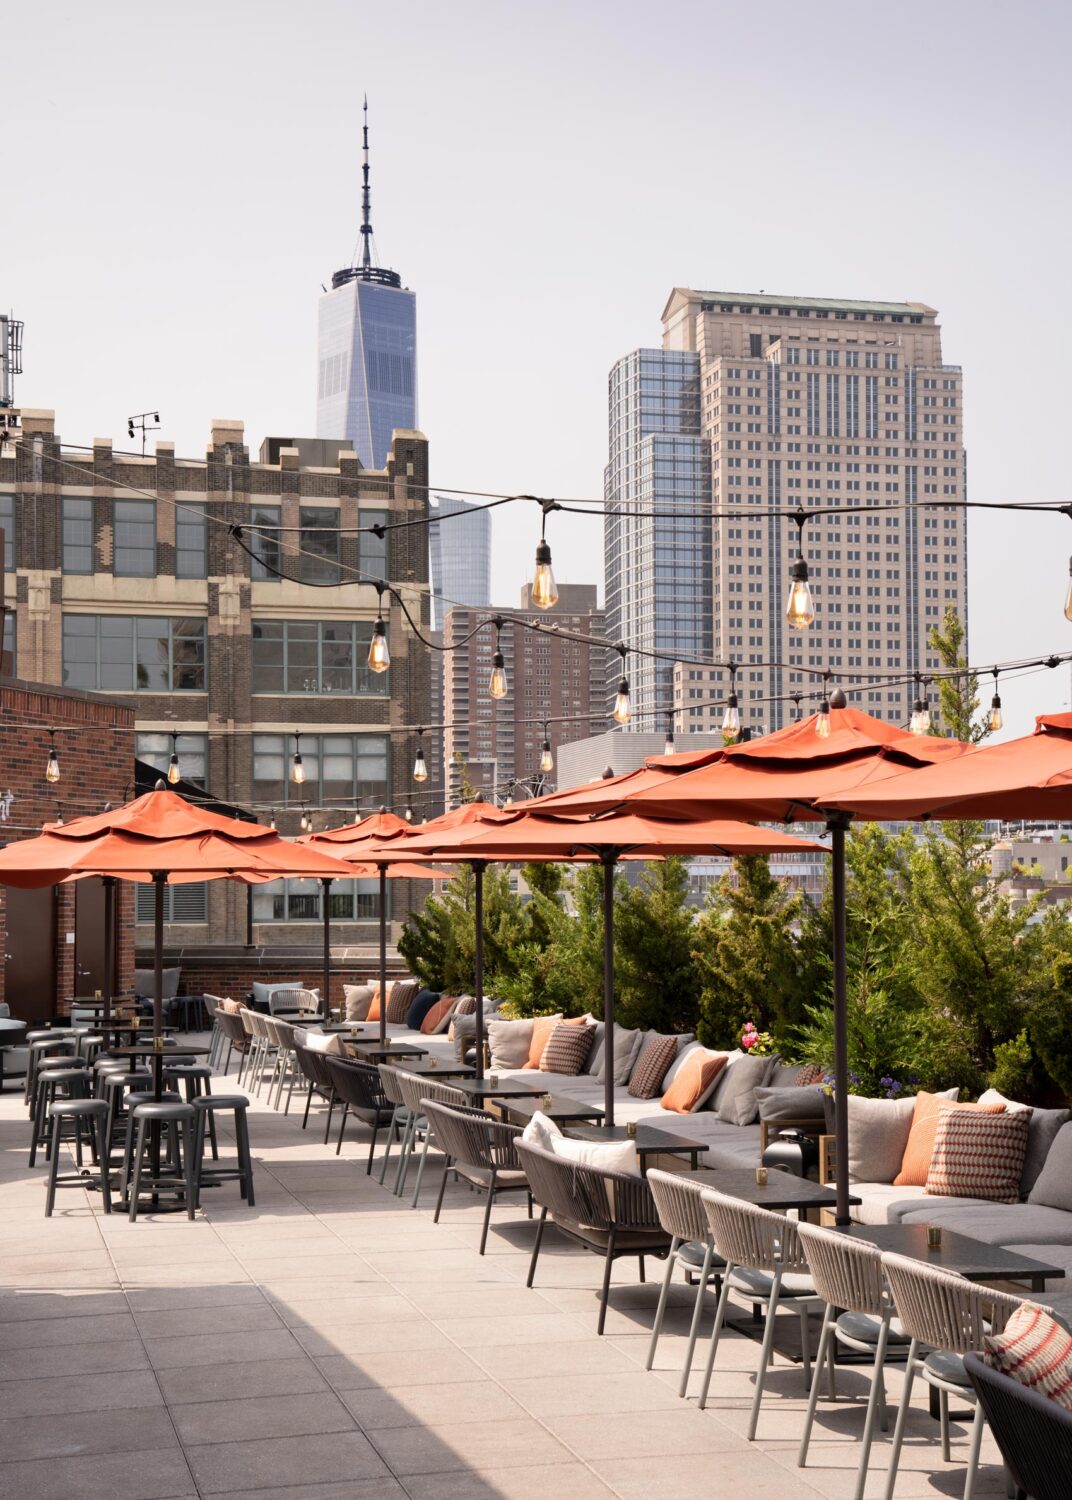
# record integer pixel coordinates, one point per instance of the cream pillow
(541, 1131)
(509, 1042)
(607, 1156)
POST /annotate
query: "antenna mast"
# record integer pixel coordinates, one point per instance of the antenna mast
(10, 357)
(366, 201)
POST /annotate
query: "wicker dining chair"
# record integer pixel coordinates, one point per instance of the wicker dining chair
(1033, 1432)
(848, 1275)
(358, 1088)
(765, 1265)
(416, 1088)
(682, 1215)
(481, 1151)
(313, 1066)
(399, 1126)
(235, 1035)
(945, 1317)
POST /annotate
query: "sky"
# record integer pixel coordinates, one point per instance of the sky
(181, 179)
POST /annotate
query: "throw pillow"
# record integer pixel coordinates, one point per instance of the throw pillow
(568, 1048)
(1035, 1350)
(437, 1017)
(509, 1042)
(878, 1134)
(916, 1163)
(694, 1081)
(373, 1012)
(785, 1077)
(403, 994)
(625, 1045)
(541, 1131)
(358, 998)
(422, 1004)
(656, 1055)
(792, 1105)
(737, 1103)
(466, 1006)
(542, 1027)
(594, 1066)
(810, 1073)
(317, 1041)
(691, 1046)
(1041, 1133)
(612, 1156)
(1053, 1188)
(978, 1154)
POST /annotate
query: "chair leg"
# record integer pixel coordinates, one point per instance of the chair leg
(805, 1351)
(664, 1295)
(816, 1380)
(872, 1406)
(902, 1419)
(53, 1172)
(767, 1354)
(420, 1167)
(135, 1179)
(943, 1421)
(308, 1103)
(487, 1211)
(387, 1151)
(404, 1153)
(697, 1311)
(442, 1190)
(102, 1154)
(342, 1127)
(331, 1111)
(187, 1148)
(372, 1147)
(607, 1268)
(536, 1246)
(245, 1156)
(978, 1423)
(720, 1313)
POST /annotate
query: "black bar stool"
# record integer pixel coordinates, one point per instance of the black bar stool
(178, 1118)
(133, 1099)
(91, 1114)
(205, 1107)
(196, 1080)
(43, 1044)
(52, 1086)
(114, 1088)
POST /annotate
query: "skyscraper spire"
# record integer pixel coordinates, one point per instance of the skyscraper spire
(366, 202)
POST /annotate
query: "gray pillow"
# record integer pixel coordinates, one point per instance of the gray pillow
(737, 1103)
(790, 1104)
(786, 1077)
(594, 1066)
(878, 1135)
(626, 1047)
(358, 1000)
(732, 1059)
(510, 1042)
(1053, 1188)
(1041, 1133)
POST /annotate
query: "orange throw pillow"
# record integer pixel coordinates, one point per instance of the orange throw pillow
(916, 1162)
(694, 1079)
(374, 1008)
(433, 1017)
(542, 1028)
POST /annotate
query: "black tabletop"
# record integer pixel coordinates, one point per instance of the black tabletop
(782, 1189)
(648, 1138)
(505, 1088)
(386, 1053)
(958, 1252)
(427, 1068)
(148, 1050)
(560, 1108)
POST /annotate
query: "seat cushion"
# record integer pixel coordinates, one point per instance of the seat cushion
(649, 1241)
(758, 1284)
(511, 1177)
(1012, 1224)
(863, 1328)
(946, 1367)
(1053, 1188)
(882, 1203)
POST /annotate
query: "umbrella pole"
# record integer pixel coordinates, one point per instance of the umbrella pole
(108, 881)
(159, 881)
(609, 862)
(478, 963)
(383, 955)
(837, 827)
(325, 886)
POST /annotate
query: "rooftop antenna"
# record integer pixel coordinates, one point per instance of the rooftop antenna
(10, 357)
(144, 421)
(366, 271)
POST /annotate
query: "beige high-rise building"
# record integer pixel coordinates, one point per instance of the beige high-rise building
(816, 402)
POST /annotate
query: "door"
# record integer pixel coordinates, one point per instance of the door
(30, 959)
(89, 936)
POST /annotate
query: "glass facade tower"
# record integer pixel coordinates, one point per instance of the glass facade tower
(459, 556)
(658, 567)
(367, 373)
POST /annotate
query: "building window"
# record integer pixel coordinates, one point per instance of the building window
(77, 535)
(345, 771)
(192, 750)
(190, 538)
(182, 903)
(264, 524)
(302, 901)
(318, 561)
(134, 529)
(10, 644)
(330, 656)
(7, 523)
(133, 653)
(372, 550)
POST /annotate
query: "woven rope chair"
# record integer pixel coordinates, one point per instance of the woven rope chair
(764, 1264)
(358, 1088)
(415, 1090)
(479, 1149)
(297, 999)
(859, 1313)
(1033, 1432)
(215, 1045)
(399, 1125)
(682, 1215)
(248, 1020)
(609, 1213)
(950, 1315)
(235, 1034)
(314, 1066)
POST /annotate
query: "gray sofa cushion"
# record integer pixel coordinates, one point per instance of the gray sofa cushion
(626, 1048)
(793, 1104)
(1053, 1189)
(145, 979)
(878, 1134)
(882, 1203)
(594, 1066)
(1041, 1133)
(1011, 1224)
(737, 1103)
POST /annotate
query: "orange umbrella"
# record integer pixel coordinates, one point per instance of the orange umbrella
(530, 836)
(610, 791)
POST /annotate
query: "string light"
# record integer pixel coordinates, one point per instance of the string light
(800, 609)
(379, 656)
(305, 824)
(497, 684)
(920, 722)
(621, 712)
(174, 775)
(409, 815)
(297, 770)
(52, 769)
(271, 821)
(544, 589)
(731, 718)
(547, 760)
(668, 748)
(822, 718)
(420, 765)
(995, 719)
(1068, 593)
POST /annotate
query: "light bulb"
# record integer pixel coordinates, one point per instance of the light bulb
(799, 611)
(544, 588)
(174, 775)
(420, 766)
(409, 815)
(822, 721)
(271, 822)
(304, 822)
(297, 770)
(668, 748)
(1068, 595)
(547, 760)
(731, 719)
(52, 770)
(379, 657)
(621, 713)
(996, 718)
(497, 684)
(920, 721)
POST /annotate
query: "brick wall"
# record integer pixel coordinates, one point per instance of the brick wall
(233, 975)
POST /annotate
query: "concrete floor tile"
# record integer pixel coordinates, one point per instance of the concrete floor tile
(154, 1475)
(538, 1326)
(560, 1395)
(468, 1445)
(42, 1333)
(366, 1338)
(248, 1317)
(399, 1367)
(73, 1359)
(124, 1390)
(209, 1348)
(670, 1432)
(564, 1481)
(433, 1405)
(86, 1432)
(221, 1382)
(221, 1467)
(275, 1416)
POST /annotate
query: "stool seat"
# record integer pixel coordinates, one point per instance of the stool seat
(220, 1101)
(166, 1109)
(92, 1109)
(148, 1096)
(188, 1070)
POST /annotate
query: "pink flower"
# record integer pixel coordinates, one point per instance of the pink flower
(749, 1039)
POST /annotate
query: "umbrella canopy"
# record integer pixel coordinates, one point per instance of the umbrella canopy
(610, 791)
(531, 836)
(376, 827)
(1029, 777)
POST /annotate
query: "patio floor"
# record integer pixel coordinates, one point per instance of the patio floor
(334, 1343)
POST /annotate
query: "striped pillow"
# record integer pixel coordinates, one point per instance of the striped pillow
(403, 993)
(567, 1049)
(466, 1006)
(978, 1154)
(1034, 1350)
(656, 1055)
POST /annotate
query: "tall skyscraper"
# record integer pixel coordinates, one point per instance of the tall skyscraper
(459, 555)
(658, 568)
(367, 349)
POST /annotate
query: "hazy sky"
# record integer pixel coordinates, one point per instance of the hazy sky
(180, 179)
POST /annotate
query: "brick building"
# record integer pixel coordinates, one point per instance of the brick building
(133, 576)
